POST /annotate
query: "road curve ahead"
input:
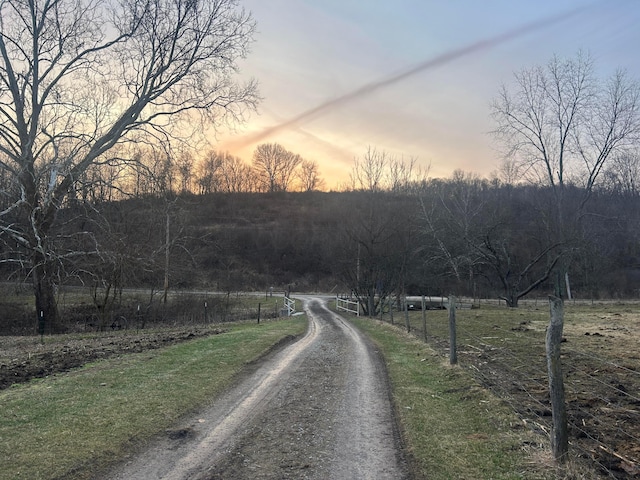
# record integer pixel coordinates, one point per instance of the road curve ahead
(318, 409)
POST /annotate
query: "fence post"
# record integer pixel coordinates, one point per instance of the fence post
(406, 315)
(259, 313)
(206, 318)
(453, 349)
(559, 432)
(424, 318)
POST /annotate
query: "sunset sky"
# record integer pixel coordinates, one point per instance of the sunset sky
(317, 53)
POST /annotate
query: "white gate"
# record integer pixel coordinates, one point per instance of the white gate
(289, 306)
(346, 305)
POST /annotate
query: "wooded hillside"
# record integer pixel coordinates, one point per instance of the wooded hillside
(465, 236)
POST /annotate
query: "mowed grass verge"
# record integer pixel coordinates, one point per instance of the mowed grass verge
(70, 425)
(453, 428)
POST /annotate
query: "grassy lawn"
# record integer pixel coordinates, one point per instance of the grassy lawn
(69, 425)
(453, 428)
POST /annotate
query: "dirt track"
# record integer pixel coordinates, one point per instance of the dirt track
(318, 409)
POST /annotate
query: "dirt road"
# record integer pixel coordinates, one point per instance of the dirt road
(318, 409)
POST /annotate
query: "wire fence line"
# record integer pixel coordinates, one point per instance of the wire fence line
(505, 350)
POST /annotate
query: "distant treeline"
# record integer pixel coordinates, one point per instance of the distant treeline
(464, 235)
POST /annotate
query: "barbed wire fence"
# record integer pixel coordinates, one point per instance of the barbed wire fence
(508, 357)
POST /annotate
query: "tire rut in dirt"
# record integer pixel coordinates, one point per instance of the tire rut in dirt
(331, 420)
(294, 437)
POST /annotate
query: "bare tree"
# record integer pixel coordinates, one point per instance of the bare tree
(402, 176)
(623, 173)
(369, 172)
(236, 175)
(275, 167)
(78, 77)
(309, 176)
(375, 251)
(184, 167)
(208, 175)
(562, 125)
(519, 271)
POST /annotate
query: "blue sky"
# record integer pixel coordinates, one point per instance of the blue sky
(308, 52)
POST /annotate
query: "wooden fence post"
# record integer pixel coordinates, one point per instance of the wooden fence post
(259, 312)
(453, 349)
(559, 432)
(424, 318)
(406, 316)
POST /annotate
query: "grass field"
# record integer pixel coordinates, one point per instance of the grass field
(503, 349)
(486, 418)
(454, 428)
(67, 425)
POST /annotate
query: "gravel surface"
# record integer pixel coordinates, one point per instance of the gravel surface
(317, 409)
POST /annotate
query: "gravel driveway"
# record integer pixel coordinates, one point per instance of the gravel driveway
(318, 409)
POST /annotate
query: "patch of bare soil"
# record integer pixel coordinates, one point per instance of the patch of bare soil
(25, 358)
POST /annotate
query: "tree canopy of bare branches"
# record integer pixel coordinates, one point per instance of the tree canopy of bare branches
(561, 123)
(78, 77)
(275, 167)
(309, 176)
(379, 171)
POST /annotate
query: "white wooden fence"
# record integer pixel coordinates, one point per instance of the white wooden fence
(289, 307)
(346, 305)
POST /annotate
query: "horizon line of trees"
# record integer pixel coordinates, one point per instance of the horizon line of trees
(464, 235)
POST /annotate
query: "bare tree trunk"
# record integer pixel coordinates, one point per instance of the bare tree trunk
(167, 252)
(559, 433)
(45, 294)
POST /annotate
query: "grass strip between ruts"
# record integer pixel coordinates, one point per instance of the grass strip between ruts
(453, 428)
(69, 425)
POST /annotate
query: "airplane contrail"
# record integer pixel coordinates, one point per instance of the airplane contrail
(442, 59)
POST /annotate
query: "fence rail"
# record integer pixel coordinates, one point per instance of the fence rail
(289, 307)
(346, 305)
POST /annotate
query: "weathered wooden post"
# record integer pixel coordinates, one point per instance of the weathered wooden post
(206, 317)
(424, 318)
(453, 349)
(559, 432)
(406, 315)
(258, 313)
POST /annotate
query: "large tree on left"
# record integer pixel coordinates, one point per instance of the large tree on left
(80, 77)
